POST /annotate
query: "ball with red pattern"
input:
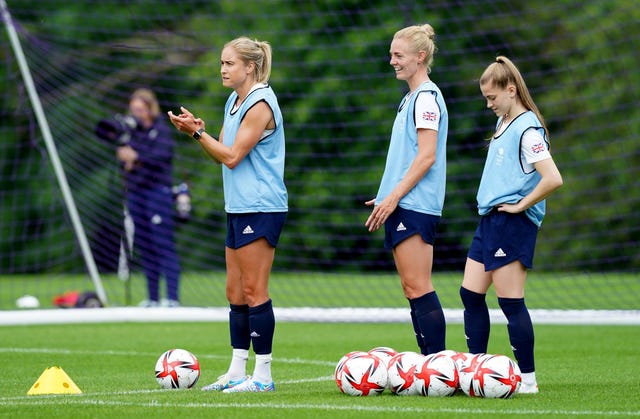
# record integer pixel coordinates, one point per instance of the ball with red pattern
(466, 370)
(438, 374)
(363, 376)
(401, 370)
(177, 369)
(337, 373)
(497, 377)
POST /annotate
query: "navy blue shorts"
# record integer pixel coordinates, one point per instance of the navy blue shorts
(404, 223)
(243, 229)
(502, 238)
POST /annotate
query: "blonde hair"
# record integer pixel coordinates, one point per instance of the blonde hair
(149, 98)
(503, 72)
(421, 38)
(257, 51)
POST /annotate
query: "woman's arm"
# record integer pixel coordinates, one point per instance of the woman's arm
(551, 180)
(255, 121)
(426, 157)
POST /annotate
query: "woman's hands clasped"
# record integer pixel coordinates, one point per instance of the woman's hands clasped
(186, 122)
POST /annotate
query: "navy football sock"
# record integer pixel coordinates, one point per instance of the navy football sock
(262, 324)
(520, 331)
(430, 320)
(239, 326)
(476, 320)
(416, 328)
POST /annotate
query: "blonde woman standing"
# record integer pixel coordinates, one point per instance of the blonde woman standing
(251, 149)
(411, 193)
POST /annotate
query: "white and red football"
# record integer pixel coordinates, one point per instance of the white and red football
(438, 374)
(466, 371)
(401, 370)
(496, 377)
(177, 369)
(363, 375)
(337, 373)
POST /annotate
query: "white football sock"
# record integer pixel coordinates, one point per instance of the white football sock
(238, 367)
(262, 370)
(529, 378)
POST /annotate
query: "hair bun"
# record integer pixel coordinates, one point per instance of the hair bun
(431, 33)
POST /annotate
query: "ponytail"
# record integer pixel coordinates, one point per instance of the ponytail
(265, 70)
(504, 72)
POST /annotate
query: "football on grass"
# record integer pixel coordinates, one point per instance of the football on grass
(337, 373)
(177, 368)
(438, 374)
(402, 368)
(496, 377)
(363, 375)
(466, 371)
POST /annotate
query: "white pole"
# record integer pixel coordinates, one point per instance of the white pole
(53, 153)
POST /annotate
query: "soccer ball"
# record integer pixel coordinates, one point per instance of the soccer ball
(337, 373)
(496, 377)
(177, 368)
(438, 375)
(401, 370)
(384, 353)
(363, 375)
(466, 371)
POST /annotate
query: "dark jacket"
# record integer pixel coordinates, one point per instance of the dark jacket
(155, 153)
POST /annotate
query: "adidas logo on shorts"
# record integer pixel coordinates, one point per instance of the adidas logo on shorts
(499, 253)
(401, 227)
(247, 230)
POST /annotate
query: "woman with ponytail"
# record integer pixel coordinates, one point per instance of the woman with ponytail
(518, 175)
(251, 149)
(411, 193)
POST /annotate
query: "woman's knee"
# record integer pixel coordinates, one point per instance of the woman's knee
(255, 293)
(414, 287)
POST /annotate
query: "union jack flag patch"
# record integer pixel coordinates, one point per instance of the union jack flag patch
(537, 148)
(429, 116)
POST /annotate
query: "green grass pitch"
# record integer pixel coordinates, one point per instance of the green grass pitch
(583, 371)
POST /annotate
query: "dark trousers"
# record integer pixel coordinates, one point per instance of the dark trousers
(152, 213)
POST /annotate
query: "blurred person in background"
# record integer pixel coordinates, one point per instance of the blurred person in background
(146, 158)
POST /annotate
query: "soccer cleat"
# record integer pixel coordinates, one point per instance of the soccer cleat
(148, 303)
(528, 389)
(223, 383)
(251, 386)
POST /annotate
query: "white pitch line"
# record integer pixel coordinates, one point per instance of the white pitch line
(307, 380)
(308, 406)
(149, 391)
(62, 351)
